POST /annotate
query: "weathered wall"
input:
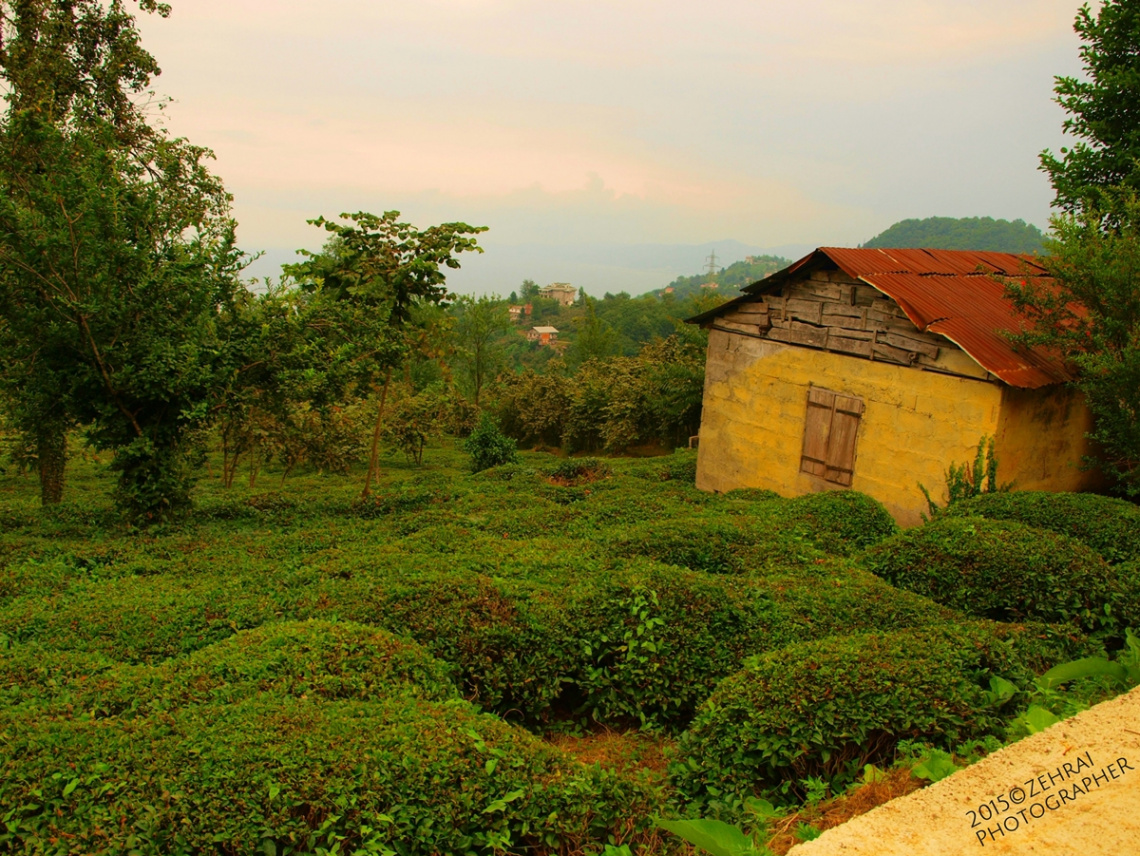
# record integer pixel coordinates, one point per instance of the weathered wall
(1041, 439)
(915, 421)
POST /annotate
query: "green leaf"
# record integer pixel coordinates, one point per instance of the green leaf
(936, 766)
(70, 786)
(1087, 668)
(713, 836)
(1038, 719)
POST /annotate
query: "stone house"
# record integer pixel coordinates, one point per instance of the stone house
(563, 292)
(873, 370)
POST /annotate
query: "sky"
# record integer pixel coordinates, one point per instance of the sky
(585, 134)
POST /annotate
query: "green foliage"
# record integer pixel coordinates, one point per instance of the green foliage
(968, 480)
(1005, 571)
(840, 522)
(1124, 671)
(488, 447)
(713, 836)
(935, 766)
(829, 707)
(1092, 317)
(962, 233)
(1103, 110)
(1109, 526)
(346, 776)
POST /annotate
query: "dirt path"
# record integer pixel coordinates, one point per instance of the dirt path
(1072, 789)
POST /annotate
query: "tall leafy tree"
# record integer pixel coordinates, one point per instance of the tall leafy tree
(367, 282)
(116, 252)
(1092, 316)
(63, 64)
(1103, 108)
(479, 328)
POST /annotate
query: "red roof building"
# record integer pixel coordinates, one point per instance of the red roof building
(877, 368)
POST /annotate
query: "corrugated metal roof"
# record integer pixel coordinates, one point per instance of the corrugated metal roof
(949, 292)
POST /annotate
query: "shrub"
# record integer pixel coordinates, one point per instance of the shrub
(488, 447)
(574, 471)
(700, 544)
(1109, 526)
(839, 522)
(1005, 571)
(399, 774)
(827, 707)
(652, 642)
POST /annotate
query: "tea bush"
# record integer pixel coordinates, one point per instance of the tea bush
(827, 707)
(839, 522)
(1004, 571)
(698, 544)
(1109, 526)
(488, 446)
(400, 774)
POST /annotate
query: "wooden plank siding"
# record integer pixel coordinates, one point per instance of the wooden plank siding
(829, 310)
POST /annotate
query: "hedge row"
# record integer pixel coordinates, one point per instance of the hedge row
(1109, 526)
(396, 775)
(1007, 571)
(620, 641)
(825, 708)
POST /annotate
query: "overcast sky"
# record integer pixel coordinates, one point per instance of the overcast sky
(590, 122)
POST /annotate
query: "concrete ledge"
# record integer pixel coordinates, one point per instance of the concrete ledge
(1071, 789)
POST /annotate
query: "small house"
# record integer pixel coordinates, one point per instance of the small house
(873, 369)
(543, 335)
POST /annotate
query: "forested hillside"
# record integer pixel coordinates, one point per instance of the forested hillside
(962, 233)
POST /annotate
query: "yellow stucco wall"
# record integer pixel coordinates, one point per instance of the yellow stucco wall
(915, 422)
(1041, 439)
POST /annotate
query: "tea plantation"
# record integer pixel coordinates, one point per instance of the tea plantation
(293, 670)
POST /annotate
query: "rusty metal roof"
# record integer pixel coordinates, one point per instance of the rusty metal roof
(949, 292)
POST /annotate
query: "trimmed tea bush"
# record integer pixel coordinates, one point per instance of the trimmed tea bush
(1002, 570)
(1109, 526)
(839, 522)
(827, 707)
(401, 775)
(700, 544)
(314, 659)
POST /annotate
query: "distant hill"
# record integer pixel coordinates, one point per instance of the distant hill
(730, 280)
(962, 233)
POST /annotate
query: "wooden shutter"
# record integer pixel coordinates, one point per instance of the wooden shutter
(817, 431)
(830, 429)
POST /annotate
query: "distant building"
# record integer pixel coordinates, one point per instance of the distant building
(563, 292)
(669, 289)
(543, 335)
(709, 285)
(515, 310)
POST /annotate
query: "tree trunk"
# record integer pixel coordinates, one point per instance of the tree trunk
(376, 439)
(51, 449)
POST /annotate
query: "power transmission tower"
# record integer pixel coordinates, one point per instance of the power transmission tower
(711, 262)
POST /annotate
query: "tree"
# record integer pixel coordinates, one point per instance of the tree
(114, 263)
(116, 251)
(367, 282)
(1104, 111)
(64, 65)
(1093, 319)
(479, 328)
(595, 338)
